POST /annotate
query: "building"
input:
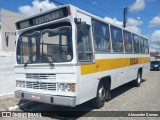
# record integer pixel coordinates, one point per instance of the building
(155, 55)
(8, 29)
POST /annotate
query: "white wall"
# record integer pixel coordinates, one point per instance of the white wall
(0, 39)
(8, 20)
(7, 79)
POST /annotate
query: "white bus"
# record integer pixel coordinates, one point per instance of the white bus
(67, 56)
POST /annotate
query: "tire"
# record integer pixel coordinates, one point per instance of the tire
(100, 98)
(108, 95)
(138, 80)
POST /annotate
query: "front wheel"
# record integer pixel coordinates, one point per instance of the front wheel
(99, 101)
(138, 80)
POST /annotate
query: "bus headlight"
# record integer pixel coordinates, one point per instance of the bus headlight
(68, 87)
(22, 84)
(62, 87)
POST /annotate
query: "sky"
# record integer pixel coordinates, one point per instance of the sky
(143, 16)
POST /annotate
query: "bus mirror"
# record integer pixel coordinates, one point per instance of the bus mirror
(83, 28)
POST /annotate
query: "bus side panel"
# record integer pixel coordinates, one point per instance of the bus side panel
(87, 85)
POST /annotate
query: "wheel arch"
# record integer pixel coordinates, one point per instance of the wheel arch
(106, 81)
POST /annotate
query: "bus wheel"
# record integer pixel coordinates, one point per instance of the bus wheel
(138, 80)
(99, 101)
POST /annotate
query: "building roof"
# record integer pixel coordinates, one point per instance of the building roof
(155, 53)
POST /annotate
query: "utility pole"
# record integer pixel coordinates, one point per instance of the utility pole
(125, 11)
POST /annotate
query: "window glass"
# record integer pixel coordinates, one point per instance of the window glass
(25, 49)
(117, 41)
(45, 46)
(55, 45)
(141, 44)
(127, 41)
(101, 36)
(146, 46)
(136, 43)
(84, 47)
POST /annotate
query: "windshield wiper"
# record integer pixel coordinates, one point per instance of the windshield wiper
(25, 64)
(50, 62)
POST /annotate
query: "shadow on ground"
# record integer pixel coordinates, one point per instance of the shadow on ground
(61, 112)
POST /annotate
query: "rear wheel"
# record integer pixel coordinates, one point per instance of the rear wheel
(138, 80)
(99, 100)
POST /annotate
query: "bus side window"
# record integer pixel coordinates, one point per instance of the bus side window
(142, 45)
(127, 41)
(117, 41)
(101, 36)
(146, 46)
(136, 43)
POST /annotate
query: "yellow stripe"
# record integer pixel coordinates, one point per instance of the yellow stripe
(109, 64)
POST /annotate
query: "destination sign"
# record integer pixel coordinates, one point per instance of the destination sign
(48, 17)
(44, 18)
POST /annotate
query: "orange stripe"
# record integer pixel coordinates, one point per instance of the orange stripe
(110, 64)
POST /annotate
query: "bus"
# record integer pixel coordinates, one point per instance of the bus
(67, 56)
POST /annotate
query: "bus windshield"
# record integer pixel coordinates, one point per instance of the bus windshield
(45, 46)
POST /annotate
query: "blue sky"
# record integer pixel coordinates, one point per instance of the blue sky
(143, 15)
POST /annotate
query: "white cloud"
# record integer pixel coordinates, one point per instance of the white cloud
(114, 21)
(137, 6)
(155, 40)
(155, 22)
(155, 37)
(37, 5)
(132, 24)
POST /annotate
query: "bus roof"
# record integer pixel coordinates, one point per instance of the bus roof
(84, 12)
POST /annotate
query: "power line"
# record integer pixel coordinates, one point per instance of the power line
(101, 9)
(54, 1)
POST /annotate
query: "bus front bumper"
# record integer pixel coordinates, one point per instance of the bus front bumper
(50, 99)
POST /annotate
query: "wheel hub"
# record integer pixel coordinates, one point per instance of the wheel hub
(102, 93)
(139, 78)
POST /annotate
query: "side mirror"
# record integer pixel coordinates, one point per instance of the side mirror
(83, 28)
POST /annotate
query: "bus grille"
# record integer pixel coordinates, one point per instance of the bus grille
(42, 86)
(40, 76)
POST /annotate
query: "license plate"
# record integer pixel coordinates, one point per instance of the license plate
(37, 97)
